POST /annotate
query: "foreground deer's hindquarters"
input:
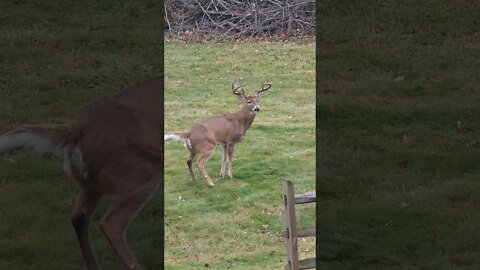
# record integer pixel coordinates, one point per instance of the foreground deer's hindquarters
(115, 150)
(226, 130)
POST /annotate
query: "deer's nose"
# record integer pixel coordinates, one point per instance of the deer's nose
(256, 109)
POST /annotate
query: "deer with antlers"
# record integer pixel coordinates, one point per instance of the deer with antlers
(226, 130)
(115, 150)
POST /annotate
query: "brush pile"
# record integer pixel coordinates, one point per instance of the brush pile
(240, 19)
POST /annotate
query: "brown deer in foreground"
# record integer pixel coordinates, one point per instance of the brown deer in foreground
(115, 150)
(227, 130)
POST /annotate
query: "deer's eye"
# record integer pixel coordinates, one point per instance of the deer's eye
(249, 102)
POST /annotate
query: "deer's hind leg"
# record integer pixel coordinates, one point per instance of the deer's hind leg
(205, 153)
(189, 163)
(85, 205)
(121, 211)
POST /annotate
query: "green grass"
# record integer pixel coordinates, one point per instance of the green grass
(224, 226)
(55, 58)
(398, 109)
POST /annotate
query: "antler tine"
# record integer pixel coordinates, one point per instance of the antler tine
(265, 86)
(235, 89)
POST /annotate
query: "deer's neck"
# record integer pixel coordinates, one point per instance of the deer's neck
(245, 118)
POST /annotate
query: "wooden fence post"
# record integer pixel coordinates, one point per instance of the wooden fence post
(291, 233)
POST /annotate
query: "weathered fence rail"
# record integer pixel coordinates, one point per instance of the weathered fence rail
(291, 232)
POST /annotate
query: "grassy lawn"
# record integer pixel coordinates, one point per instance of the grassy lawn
(236, 224)
(55, 58)
(399, 128)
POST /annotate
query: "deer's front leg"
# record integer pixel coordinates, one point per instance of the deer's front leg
(224, 160)
(230, 159)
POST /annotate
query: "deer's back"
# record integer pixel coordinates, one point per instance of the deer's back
(219, 129)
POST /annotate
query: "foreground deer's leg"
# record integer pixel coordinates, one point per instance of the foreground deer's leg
(224, 160)
(204, 156)
(114, 223)
(189, 163)
(85, 204)
(230, 159)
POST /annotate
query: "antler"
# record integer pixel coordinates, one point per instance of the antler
(265, 86)
(235, 89)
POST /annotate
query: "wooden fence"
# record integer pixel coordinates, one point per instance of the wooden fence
(291, 232)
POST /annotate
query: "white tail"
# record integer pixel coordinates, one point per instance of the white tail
(174, 136)
(225, 130)
(42, 138)
(115, 151)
